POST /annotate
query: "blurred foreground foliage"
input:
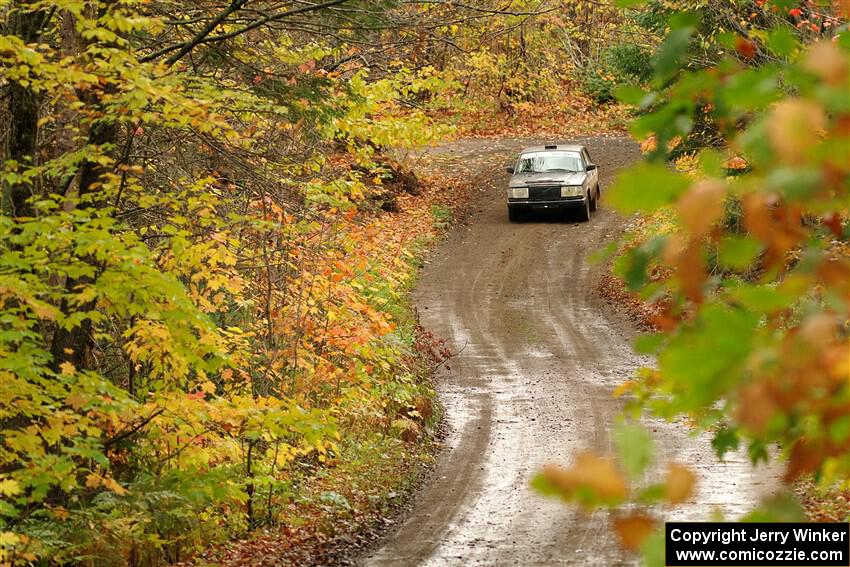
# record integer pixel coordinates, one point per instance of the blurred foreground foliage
(745, 257)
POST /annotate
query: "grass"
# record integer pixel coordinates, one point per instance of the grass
(443, 216)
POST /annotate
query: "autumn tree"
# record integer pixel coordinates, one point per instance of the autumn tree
(186, 308)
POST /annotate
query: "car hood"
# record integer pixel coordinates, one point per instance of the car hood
(548, 178)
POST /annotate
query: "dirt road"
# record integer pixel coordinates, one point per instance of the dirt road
(538, 358)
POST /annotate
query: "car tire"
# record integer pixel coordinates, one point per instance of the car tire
(594, 206)
(514, 215)
(584, 213)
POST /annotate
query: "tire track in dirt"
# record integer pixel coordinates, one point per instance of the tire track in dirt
(538, 357)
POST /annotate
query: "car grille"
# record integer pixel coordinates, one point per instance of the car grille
(544, 193)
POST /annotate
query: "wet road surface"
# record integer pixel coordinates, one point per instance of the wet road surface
(538, 356)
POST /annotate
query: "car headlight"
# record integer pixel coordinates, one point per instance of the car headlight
(518, 193)
(571, 191)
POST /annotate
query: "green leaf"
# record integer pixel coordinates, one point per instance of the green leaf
(705, 357)
(672, 54)
(648, 343)
(652, 494)
(653, 549)
(725, 439)
(782, 41)
(634, 447)
(753, 89)
(604, 253)
(683, 20)
(645, 188)
(334, 499)
(783, 507)
(738, 252)
(757, 451)
(762, 298)
(711, 163)
(839, 430)
(631, 94)
(795, 183)
(631, 267)
(543, 486)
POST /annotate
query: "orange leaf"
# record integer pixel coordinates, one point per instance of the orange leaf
(805, 458)
(679, 485)
(745, 47)
(756, 406)
(634, 529)
(794, 128)
(112, 485)
(93, 480)
(702, 206)
(76, 401)
(589, 471)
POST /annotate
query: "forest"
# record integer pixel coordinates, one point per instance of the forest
(214, 213)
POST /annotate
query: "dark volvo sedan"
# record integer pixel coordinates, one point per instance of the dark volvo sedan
(561, 177)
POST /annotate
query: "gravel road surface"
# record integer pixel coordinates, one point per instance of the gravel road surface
(538, 355)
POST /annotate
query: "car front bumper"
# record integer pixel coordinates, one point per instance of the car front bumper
(565, 203)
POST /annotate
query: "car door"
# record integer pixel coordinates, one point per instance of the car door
(594, 175)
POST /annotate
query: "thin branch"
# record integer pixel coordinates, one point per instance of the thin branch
(128, 433)
(203, 36)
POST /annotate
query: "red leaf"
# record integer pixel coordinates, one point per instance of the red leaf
(745, 47)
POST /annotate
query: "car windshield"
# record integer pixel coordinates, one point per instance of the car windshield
(549, 161)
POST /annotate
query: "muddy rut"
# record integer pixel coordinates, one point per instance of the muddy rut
(538, 356)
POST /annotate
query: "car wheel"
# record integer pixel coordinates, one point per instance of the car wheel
(595, 205)
(514, 215)
(584, 214)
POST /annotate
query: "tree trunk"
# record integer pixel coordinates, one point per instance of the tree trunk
(21, 143)
(74, 345)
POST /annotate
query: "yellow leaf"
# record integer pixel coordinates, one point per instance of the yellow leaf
(112, 485)
(67, 369)
(93, 480)
(76, 401)
(9, 539)
(623, 389)
(9, 487)
(43, 310)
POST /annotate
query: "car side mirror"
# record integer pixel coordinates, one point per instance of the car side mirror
(509, 169)
(590, 167)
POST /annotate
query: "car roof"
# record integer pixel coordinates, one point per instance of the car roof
(554, 148)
